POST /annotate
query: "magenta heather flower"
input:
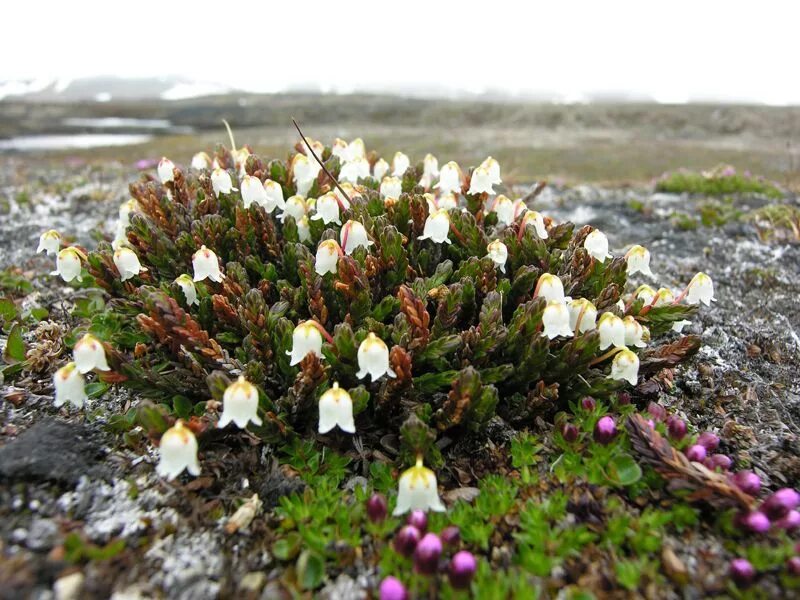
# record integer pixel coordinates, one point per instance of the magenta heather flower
(741, 571)
(605, 430)
(676, 428)
(780, 503)
(696, 453)
(708, 440)
(756, 521)
(569, 432)
(658, 412)
(462, 569)
(747, 481)
(418, 519)
(406, 540)
(450, 535)
(719, 461)
(790, 522)
(793, 564)
(624, 398)
(588, 403)
(427, 554)
(377, 508)
(392, 589)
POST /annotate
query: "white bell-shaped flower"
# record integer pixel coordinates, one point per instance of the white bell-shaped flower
(447, 201)
(296, 206)
(356, 149)
(274, 193)
(177, 451)
(430, 171)
(221, 182)
(253, 191)
(638, 259)
(449, 179)
(645, 293)
(166, 170)
(678, 326)
(503, 207)
(535, 220)
(634, 332)
(582, 315)
(380, 169)
(555, 320)
(240, 157)
(353, 170)
(186, 283)
(304, 229)
(391, 187)
(336, 408)
(339, 149)
(304, 171)
(700, 289)
(417, 490)
(125, 210)
(327, 207)
(550, 287)
(201, 161)
(89, 354)
(664, 297)
(498, 252)
(69, 385)
(493, 167)
(346, 194)
(50, 242)
(373, 358)
(612, 331)
(596, 244)
(625, 367)
(206, 265)
(481, 182)
(433, 203)
(400, 164)
(353, 235)
(327, 258)
(437, 227)
(127, 263)
(305, 338)
(68, 264)
(240, 404)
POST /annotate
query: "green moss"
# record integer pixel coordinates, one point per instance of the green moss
(719, 182)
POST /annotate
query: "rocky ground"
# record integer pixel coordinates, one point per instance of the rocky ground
(65, 477)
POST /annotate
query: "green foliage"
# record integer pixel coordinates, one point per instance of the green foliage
(721, 181)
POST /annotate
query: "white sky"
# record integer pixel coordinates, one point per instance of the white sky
(670, 50)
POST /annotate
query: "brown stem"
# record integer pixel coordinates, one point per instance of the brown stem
(324, 168)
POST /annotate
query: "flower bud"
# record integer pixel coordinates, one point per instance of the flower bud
(605, 430)
(623, 398)
(747, 481)
(392, 589)
(588, 403)
(427, 554)
(377, 509)
(756, 521)
(790, 522)
(406, 540)
(166, 170)
(719, 461)
(658, 412)
(741, 571)
(676, 427)
(569, 432)
(450, 535)
(780, 503)
(708, 440)
(418, 519)
(696, 453)
(462, 569)
(793, 565)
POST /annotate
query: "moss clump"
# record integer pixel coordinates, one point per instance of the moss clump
(720, 181)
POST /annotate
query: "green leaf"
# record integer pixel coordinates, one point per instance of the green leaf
(182, 406)
(310, 570)
(96, 389)
(15, 346)
(624, 470)
(8, 310)
(287, 548)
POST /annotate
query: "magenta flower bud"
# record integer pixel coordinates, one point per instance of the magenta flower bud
(451, 535)
(605, 430)
(793, 565)
(658, 412)
(418, 519)
(588, 403)
(741, 571)
(651, 423)
(377, 508)
(756, 521)
(780, 503)
(719, 461)
(747, 481)
(624, 398)
(676, 428)
(462, 569)
(406, 540)
(569, 432)
(708, 440)
(427, 554)
(696, 453)
(790, 522)
(392, 589)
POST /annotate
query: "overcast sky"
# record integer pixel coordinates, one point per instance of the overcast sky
(672, 51)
